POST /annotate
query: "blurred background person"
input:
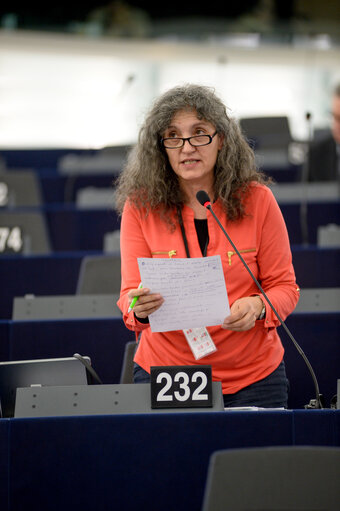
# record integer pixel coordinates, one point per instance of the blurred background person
(324, 154)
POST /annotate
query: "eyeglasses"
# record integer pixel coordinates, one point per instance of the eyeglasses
(195, 141)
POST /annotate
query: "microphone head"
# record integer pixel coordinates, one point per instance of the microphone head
(203, 198)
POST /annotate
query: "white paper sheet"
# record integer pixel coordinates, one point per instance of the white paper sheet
(193, 289)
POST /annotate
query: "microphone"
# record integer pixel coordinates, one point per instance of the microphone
(204, 200)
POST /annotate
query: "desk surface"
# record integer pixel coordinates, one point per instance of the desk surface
(138, 461)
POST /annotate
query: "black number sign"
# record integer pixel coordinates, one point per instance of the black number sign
(181, 386)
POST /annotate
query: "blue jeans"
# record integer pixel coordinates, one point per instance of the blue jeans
(271, 392)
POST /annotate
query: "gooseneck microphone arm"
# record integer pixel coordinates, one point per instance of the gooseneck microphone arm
(88, 367)
(304, 181)
(204, 200)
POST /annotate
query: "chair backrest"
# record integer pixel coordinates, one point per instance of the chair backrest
(98, 198)
(23, 188)
(267, 131)
(310, 192)
(127, 366)
(32, 228)
(271, 139)
(274, 479)
(105, 161)
(112, 242)
(99, 275)
(319, 300)
(29, 308)
(328, 235)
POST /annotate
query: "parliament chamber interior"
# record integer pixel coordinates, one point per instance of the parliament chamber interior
(60, 281)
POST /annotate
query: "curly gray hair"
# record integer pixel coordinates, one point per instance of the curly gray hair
(148, 180)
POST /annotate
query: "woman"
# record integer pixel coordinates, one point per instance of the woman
(189, 143)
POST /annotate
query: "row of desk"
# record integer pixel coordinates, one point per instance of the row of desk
(104, 340)
(56, 188)
(71, 228)
(58, 273)
(130, 462)
(50, 161)
(141, 461)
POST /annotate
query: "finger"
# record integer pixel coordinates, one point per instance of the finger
(138, 292)
(138, 297)
(237, 312)
(145, 309)
(234, 317)
(246, 323)
(149, 299)
(240, 328)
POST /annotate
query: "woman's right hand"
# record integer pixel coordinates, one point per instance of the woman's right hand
(147, 303)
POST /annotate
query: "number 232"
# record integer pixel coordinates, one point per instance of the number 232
(183, 385)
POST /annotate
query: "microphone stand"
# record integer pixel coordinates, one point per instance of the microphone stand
(304, 181)
(314, 403)
(89, 368)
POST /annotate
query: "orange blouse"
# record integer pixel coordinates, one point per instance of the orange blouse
(242, 358)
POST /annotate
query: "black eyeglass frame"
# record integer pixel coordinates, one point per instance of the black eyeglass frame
(188, 139)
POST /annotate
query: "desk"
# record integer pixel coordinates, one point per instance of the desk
(4, 340)
(104, 341)
(316, 266)
(60, 188)
(54, 274)
(318, 214)
(129, 462)
(40, 159)
(57, 273)
(285, 174)
(4, 462)
(318, 335)
(83, 229)
(74, 229)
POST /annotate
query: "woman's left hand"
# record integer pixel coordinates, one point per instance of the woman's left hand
(243, 314)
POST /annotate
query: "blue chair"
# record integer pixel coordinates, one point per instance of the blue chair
(273, 479)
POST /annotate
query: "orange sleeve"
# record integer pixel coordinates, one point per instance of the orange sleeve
(276, 272)
(132, 246)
